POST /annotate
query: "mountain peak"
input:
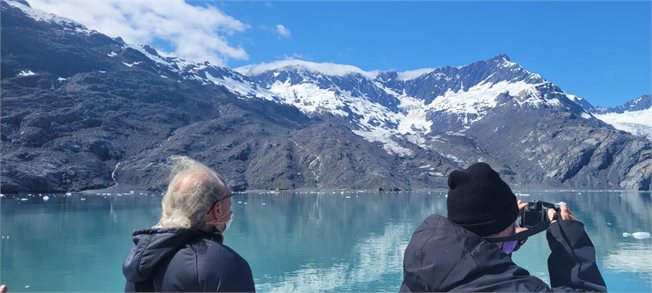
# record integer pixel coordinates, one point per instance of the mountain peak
(502, 57)
(643, 102)
(502, 61)
(43, 16)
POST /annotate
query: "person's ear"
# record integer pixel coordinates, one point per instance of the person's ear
(215, 212)
(219, 209)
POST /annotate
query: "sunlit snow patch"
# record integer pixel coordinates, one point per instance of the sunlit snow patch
(24, 73)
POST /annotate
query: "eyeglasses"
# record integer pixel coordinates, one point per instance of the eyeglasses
(220, 200)
(228, 196)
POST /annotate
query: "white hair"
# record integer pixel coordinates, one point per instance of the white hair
(192, 191)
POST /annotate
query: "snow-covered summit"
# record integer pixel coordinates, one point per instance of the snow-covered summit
(641, 103)
(325, 68)
(41, 16)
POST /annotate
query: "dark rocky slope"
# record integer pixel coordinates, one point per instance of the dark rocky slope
(84, 111)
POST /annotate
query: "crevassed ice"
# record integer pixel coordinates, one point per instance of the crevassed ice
(635, 122)
(386, 137)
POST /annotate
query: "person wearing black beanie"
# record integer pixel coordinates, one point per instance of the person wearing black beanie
(457, 252)
(480, 201)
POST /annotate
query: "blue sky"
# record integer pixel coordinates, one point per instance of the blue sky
(596, 50)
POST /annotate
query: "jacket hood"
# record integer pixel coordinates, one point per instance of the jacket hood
(443, 256)
(155, 246)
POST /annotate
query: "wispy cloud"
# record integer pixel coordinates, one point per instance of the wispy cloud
(282, 31)
(193, 32)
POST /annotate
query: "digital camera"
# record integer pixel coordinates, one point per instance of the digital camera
(536, 212)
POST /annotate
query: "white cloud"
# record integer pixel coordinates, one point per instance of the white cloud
(412, 74)
(324, 68)
(282, 31)
(194, 33)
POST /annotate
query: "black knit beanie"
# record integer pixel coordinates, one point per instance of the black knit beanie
(480, 201)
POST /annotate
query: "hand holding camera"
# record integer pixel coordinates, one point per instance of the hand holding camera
(535, 212)
(563, 212)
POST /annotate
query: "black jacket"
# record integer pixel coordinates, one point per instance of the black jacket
(184, 260)
(443, 256)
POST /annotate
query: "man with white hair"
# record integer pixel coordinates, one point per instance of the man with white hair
(184, 251)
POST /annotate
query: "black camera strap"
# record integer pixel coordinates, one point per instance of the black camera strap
(521, 235)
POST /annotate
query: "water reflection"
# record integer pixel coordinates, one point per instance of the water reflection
(631, 257)
(373, 259)
(294, 241)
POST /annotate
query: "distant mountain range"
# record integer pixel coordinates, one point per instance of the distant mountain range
(81, 111)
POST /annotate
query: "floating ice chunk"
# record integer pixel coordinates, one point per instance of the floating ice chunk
(637, 235)
(46, 198)
(23, 199)
(2, 195)
(239, 201)
(68, 193)
(348, 196)
(263, 204)
(83, 198)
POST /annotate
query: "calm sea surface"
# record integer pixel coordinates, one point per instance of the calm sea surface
(333, 241)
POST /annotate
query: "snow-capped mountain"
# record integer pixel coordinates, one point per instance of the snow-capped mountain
(83, 111)
(638, 104)
(388, 107)
(635, 116)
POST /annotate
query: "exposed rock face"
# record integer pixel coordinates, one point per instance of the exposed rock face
(83, 111)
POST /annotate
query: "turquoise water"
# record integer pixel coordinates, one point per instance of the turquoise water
(293, 241)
